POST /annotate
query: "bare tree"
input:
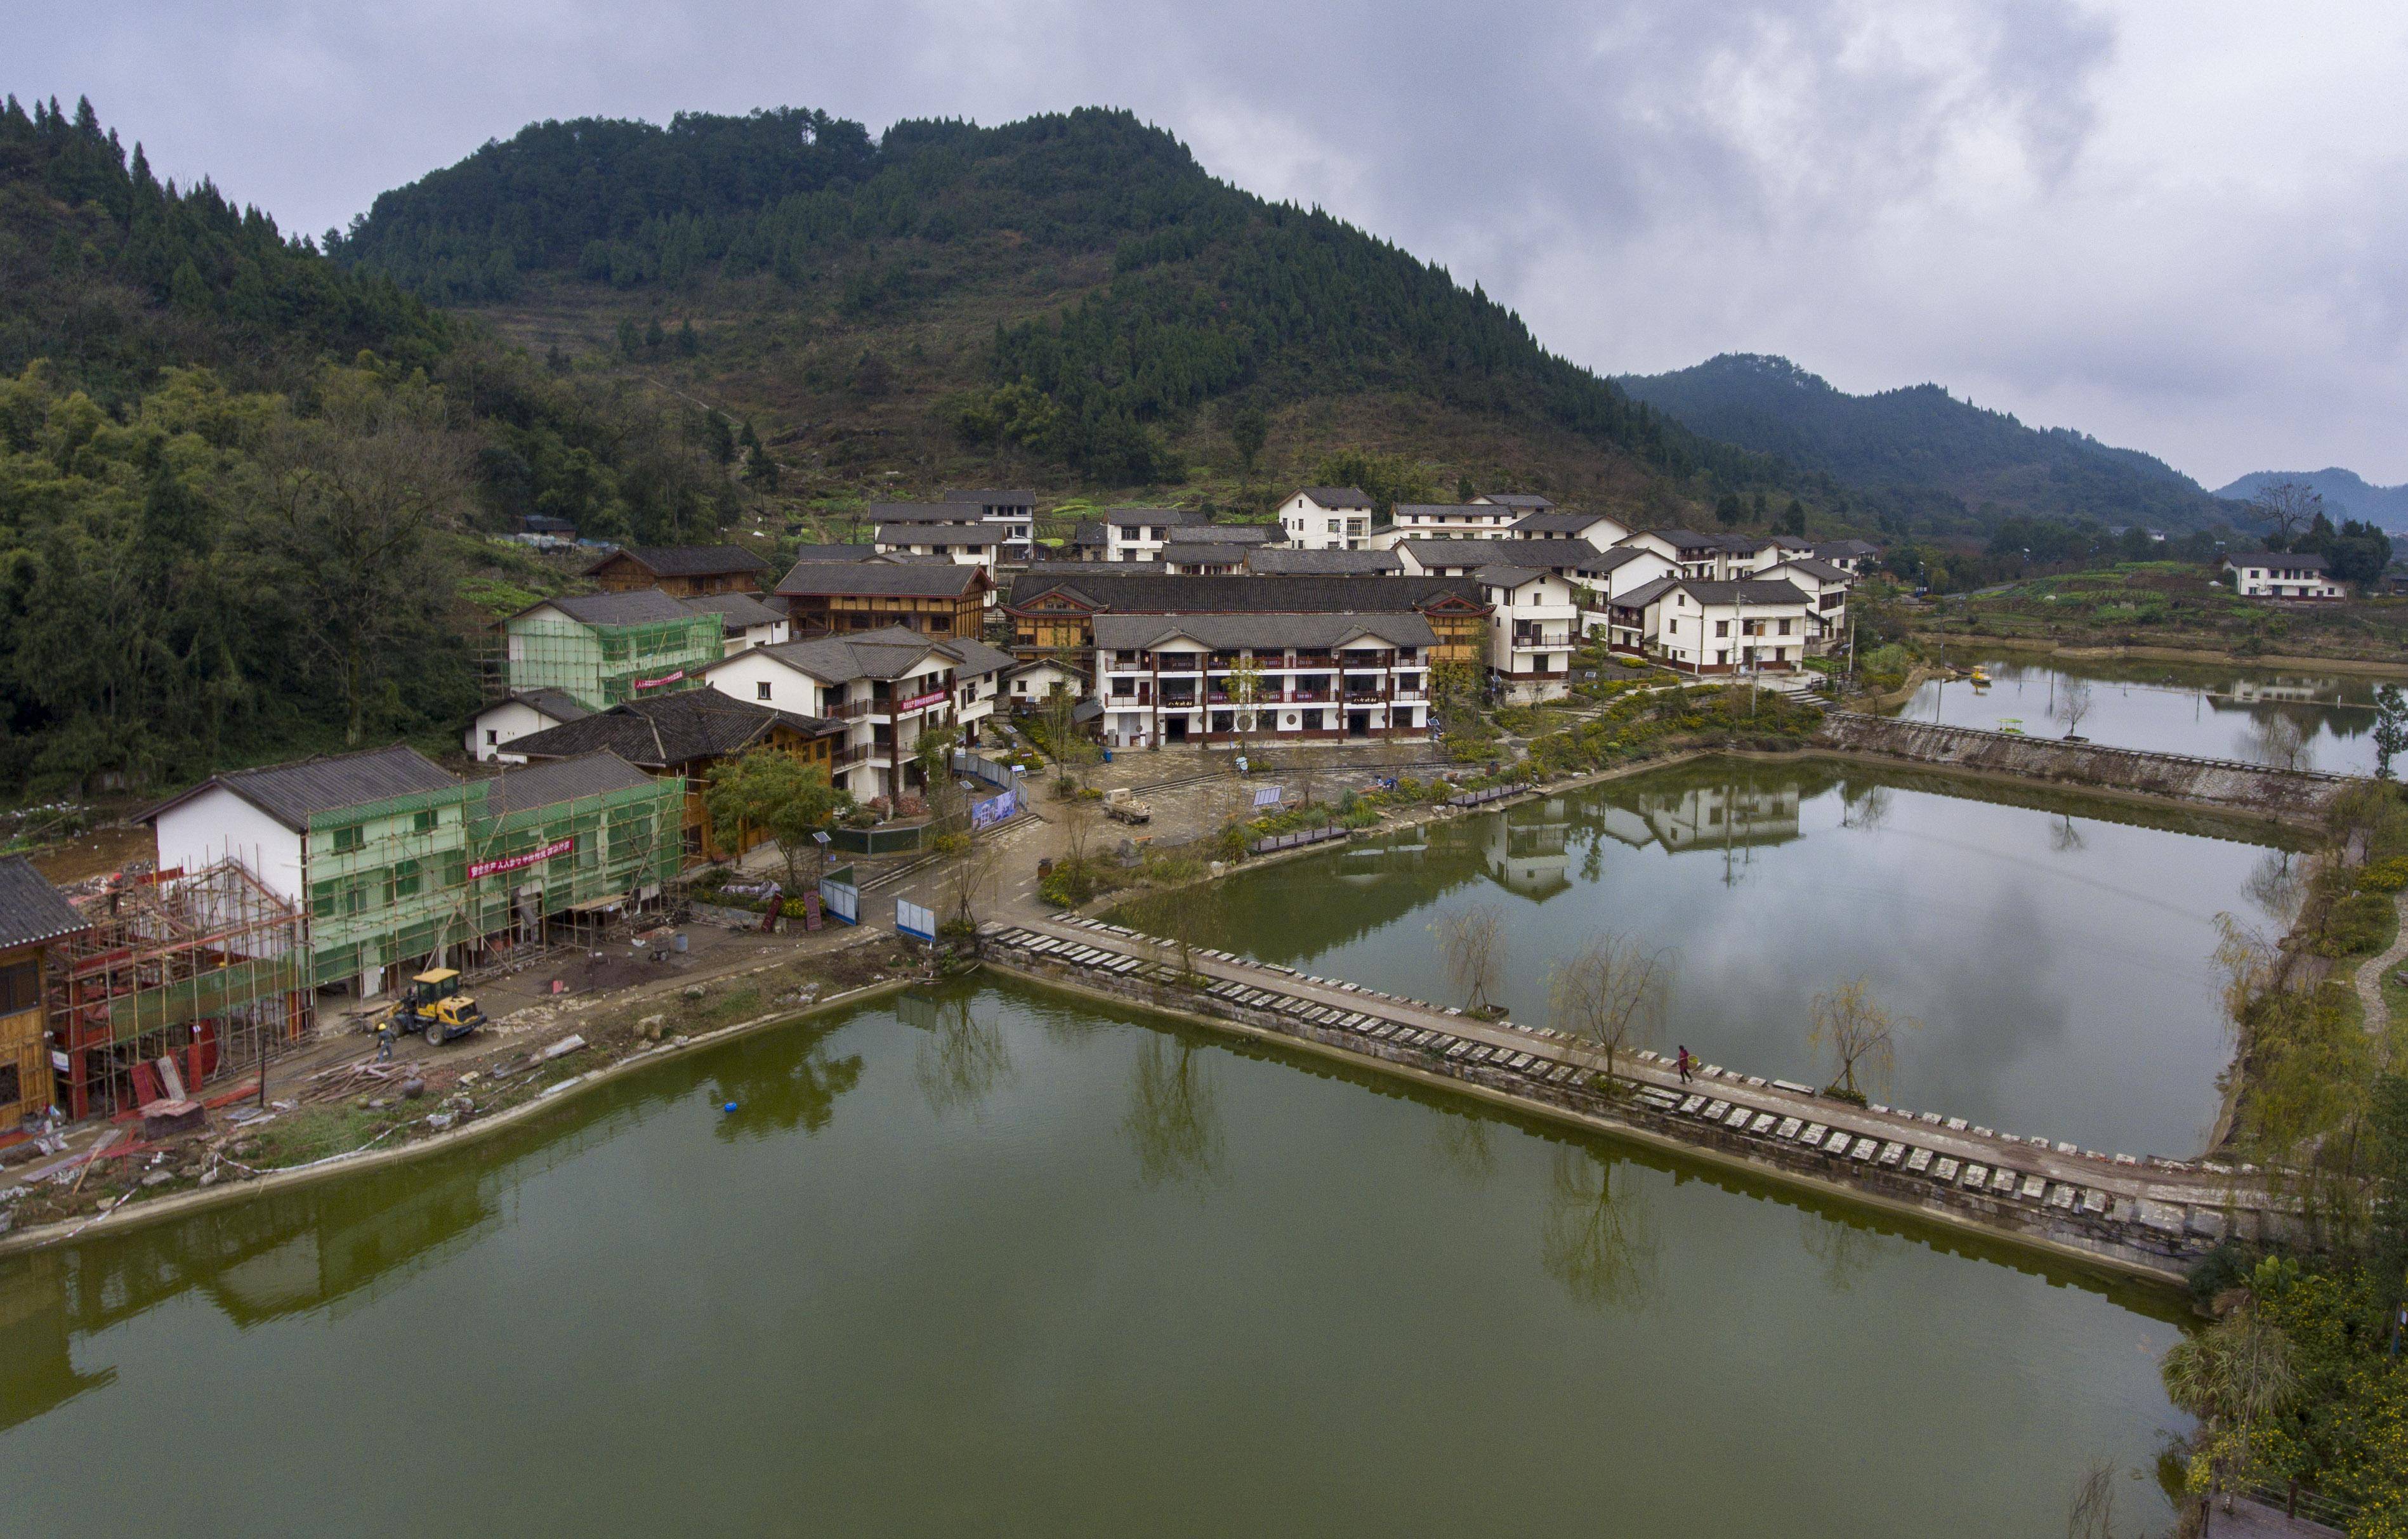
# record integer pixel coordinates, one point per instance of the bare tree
(2278, 742)
(971, 878)
(1858, 1033)
(1472, 940)
(1611, 992)
(2287, 507)
(2073, 704)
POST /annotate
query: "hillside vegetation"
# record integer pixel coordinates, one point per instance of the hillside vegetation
(243, 490)
(1924, 458)
(1070, 300)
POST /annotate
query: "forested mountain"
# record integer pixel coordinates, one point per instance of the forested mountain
(1068, 291)
(239, 485)
(1921, 452)
(2347, 494)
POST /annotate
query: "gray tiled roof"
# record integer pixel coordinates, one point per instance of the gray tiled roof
(1153, 592)
(1229, 533)
(1464, 553)
(940, 534)
(31, 910)
(834, 552)
(1335, 496)
(910, 579)
(1134, 633)
(2297, 561)
(1178, 517)
(1856, 549)
(737, 611)
(643, 607)
(594, 773)
(1232, 557)
(891, 652)
(687, 561)
(1281, 559)
(291, 793)
(559, 705)
(1559, 523)
(1751, 591)
(1519, 499)
(1454, 510)
(1686, 539)
(1501, 575)
(1614, 560)
(672, 731)
(1820, 570)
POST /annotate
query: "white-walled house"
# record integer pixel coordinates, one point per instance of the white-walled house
(1851, 556)
(976, 545)
(1013, 513)
(887, 686)
(1708, 558)
(1826, 587)
(745, 621)
(1447, 521)
(1717, 627)
(1138, 533)
(1597, 528)
(2274, 574)
(1326, 518)
(515, 716)
(1210, 678)
(1444, 558)
(1028, 685)
(1596, 581)
(1531, 632)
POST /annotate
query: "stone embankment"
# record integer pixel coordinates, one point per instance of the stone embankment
(2224, 783)
(2148, 1216)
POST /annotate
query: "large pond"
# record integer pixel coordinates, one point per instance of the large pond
(987, 1261)
(2056, 949)
(2211, 712)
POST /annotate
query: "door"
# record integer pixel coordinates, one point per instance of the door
(1358, 723)
(1174, 729)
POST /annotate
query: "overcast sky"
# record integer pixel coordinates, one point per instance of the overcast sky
(2179, 226)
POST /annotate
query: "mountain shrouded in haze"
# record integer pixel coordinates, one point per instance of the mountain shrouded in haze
(2347, 494)
(1072, 289)
(1919, 451)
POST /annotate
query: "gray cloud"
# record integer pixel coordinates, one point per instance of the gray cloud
(2174, 225)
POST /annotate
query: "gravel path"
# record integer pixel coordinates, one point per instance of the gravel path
(2371, 975)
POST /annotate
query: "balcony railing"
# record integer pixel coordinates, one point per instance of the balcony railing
(850, 710)
(858, 753)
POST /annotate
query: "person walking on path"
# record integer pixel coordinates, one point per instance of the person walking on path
(384, 1040)
(1685, 1065)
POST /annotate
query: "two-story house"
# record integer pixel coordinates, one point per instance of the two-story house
(1701, 627)
(1855, 556)
(1012, 514)
(1190, 678)
(680, 571)
(1531, 632)
(2278, 575)
(1597, 528)
(600, 649)
(33, 917)
(1826, 587)
(1446, 521)
(937, 597)
(1324, 518)
(887, 686)
(1140, 534)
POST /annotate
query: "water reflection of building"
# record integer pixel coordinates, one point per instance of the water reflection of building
(1526, 849)
(2284, 690)
(1722, 817)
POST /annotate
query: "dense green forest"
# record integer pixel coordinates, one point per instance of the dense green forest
(1200, 292)
(242, 488)
(1918, 453)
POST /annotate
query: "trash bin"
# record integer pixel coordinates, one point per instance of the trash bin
(1044, 868)
(1108, 756)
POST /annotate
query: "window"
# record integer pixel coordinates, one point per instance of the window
(1722, 627)
(11, 1091)
(1785, 629)
(322, 899)
(21, 988)
(492, 736)
(404, 882)
(355, 898)
(349, 839)
(761, 691)
(425, 819)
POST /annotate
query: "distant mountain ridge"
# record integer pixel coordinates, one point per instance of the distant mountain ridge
(1920, 446)
(2347, 494)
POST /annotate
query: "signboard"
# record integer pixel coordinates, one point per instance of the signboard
(1268, 796)
(519, 863)
(840, 897)
(915, 921)
(918, 701)
(656, 683)
(995, 809)
(58, 1061)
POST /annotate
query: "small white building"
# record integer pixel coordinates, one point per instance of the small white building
(746, 623)
(2275, 575)
(515, 716)
(1011, 513)
(1851, 556)
(1028, 685)
(1597, 528)
(1213, 677)
(1140, 534)
(1326, 518)
(1447, 521)
(1697, 627)
(1531, 624)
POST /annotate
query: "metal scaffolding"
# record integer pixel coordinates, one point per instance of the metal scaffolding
(205, 968)
(605, 665)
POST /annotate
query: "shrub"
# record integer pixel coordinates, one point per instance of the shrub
(2385, 875)
(2358, 925)
(1068, 884)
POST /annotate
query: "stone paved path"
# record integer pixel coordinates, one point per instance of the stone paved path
(2371, 975)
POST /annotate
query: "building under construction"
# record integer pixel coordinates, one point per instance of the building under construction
(204, 969)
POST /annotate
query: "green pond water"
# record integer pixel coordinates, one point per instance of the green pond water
(988, 1260)
(2168, 708)
(2056, 948)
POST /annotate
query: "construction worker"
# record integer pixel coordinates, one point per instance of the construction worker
(385, 1030)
